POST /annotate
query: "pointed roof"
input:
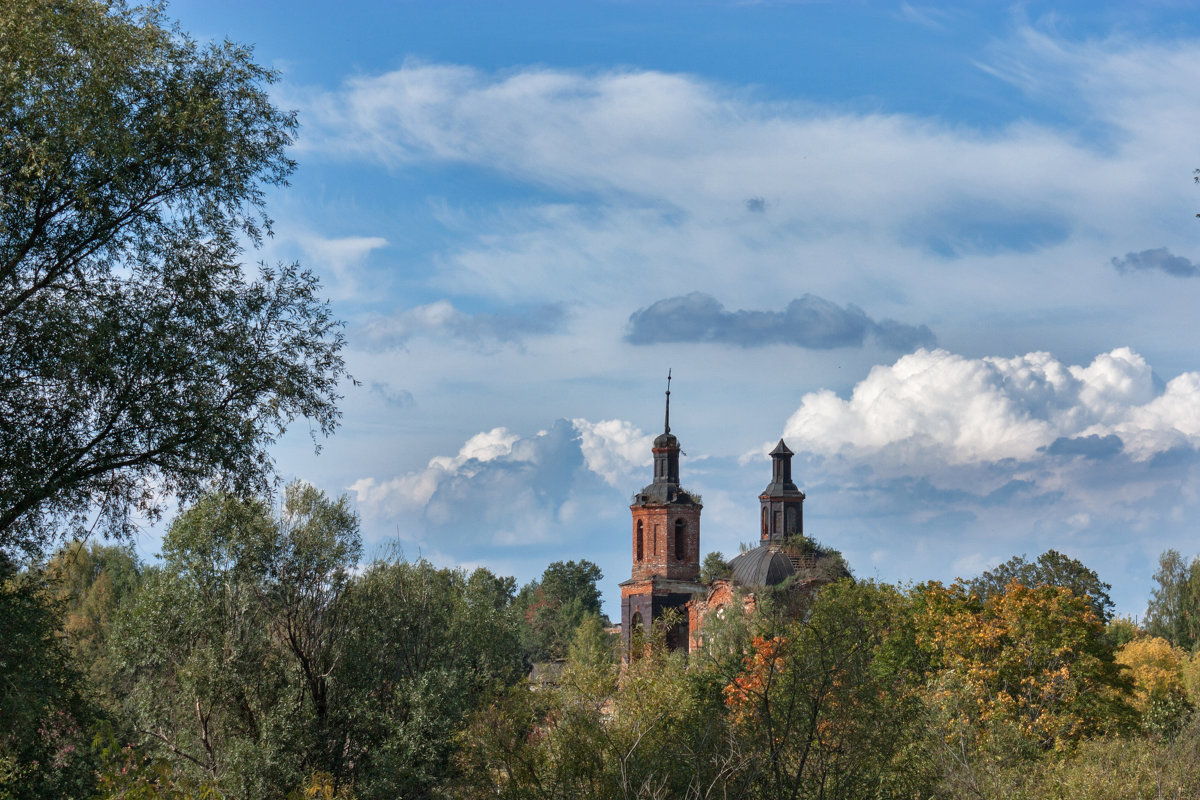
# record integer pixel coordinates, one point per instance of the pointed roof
(781, 449)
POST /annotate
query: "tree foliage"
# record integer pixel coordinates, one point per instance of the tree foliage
(89, 583)
(554, 606)
(1032, 662)
(1052, 568)
(1174, 608)
(43, 733)
(138, 359)
(1159, 694)
(714, 566)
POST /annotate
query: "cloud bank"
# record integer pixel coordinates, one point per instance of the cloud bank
(505, 489)
(809, 321)
(936, 407)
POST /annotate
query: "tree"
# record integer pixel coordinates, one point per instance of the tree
(713, 567)
(555, 606)
(206, 687)
(829, 704)
(90, 582)
(1029, 663)
(138, 358)
(425, 648)
(231, 648)
(1052, 568)
(43, 736)
(1174, 609)
(1159, 695)
(317, 547)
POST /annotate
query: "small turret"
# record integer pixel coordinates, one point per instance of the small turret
(782, 501)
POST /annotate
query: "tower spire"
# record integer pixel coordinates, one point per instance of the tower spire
(667, 420)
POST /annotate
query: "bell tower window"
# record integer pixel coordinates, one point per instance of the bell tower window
(680, 540)
(639, 541)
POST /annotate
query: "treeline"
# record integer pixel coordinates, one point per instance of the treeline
(260, 660)
(1015, 684)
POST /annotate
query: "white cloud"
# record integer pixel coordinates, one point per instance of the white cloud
(650, 173)
(614, 449)
(413, 490)
(933, 408)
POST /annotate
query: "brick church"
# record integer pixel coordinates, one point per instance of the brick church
(666, 549)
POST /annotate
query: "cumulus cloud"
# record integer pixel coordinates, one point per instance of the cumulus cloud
(505, 489)
(413, 490)
(809, 321)
(442, 320)
(1159, 259)
(935, 407)
(613, 448)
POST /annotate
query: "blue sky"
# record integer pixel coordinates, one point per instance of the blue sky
(948, 251)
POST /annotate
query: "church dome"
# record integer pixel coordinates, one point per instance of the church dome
(666, 440)
(762, 566)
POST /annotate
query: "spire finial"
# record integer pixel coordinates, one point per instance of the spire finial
(667, 421)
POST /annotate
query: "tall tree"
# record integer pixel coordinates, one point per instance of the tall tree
(425, 648)
(556, 605)
(43, 719)
(90, 582)
(1174, 609)
(1051, 568)
(317, 547)
(206, 687)
(138, 358)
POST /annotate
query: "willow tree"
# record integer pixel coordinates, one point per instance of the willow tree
(139, 356)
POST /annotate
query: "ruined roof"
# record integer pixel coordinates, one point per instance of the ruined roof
(657, 494)
(762, 566)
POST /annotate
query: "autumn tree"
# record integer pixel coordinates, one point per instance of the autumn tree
(1031, 661)
(44, 720)
(1051, 568)
(139, 357)
(830, 704)
(1159, 694)
(90, 582)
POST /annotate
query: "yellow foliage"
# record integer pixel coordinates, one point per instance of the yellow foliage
(1156, 669)
(1031, 658)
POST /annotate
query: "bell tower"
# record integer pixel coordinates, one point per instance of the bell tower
(782, 501)
(666, 545)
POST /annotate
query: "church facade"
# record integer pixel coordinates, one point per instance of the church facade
(665, 581)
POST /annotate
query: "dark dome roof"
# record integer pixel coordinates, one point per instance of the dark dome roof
(762, 566)
(666, 440)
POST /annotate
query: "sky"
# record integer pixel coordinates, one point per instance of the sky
(949, 253)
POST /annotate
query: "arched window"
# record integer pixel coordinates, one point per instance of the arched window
(637, 636)
(639, 540)
(680, 539)
(764, 525)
